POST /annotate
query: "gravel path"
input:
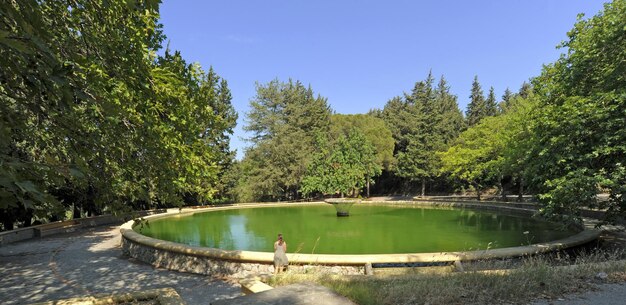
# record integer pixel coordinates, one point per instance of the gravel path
(90, 262)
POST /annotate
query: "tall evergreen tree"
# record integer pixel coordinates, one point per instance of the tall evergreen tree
(412, 160)
(491, 105)
(476, 109)
(284, 120)
(452, 121)
(525, 90)
(422, 123)
(505, 104)
(219, 133)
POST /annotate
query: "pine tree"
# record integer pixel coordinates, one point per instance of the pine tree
(476, 110)
(422, 123)
(491, 105)
(504, 105)
(525, 90)
(452, 122)
(284, 120)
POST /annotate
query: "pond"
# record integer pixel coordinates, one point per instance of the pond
(370, 229)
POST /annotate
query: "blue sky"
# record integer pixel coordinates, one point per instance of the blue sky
(359, 54)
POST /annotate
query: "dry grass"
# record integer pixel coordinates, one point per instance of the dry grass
(522, 281)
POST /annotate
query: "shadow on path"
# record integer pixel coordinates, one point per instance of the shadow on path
(90, 262)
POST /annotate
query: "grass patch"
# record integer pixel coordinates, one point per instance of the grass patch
(514, 282)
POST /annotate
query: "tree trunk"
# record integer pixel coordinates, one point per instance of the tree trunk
(423, 186)
(76, 212)
(28, 219)
(478, 192)
(8, 223)
(368, 188)
(502, 191)
(520, 192)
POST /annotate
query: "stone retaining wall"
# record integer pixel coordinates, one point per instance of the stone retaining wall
(212, 261)
(185, 262)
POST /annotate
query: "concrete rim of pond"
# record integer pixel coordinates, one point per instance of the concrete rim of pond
(588, 234)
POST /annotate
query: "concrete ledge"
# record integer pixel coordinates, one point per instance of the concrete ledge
(67, 226)
(16, 235)
(253, 285)
(56, 228)
(163, 296)
(242, 263)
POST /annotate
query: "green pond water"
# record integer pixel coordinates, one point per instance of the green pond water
(370, 229)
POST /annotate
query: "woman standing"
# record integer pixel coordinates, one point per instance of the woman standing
(280, 258)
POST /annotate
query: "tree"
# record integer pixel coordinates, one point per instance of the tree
(422, 123)
(525, 90)
(284, 120)
(88, 108)
(218, 134)
(491, 105)
(375, 133)
(578, 146)
(451, 121)
(476, 157)
(477, 108)
(504, 105)
(518, 140)
(195, 118)
(65, 70)
(406, 119)
(341, 167)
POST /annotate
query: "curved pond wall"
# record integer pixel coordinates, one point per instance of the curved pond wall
(213, 261)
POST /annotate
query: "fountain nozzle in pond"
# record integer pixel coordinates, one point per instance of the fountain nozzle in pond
(342, 205)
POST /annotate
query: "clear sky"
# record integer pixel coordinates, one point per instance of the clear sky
(359, 54)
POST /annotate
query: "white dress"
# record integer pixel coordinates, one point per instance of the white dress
(280, 258)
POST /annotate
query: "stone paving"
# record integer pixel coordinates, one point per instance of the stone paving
(90, 262)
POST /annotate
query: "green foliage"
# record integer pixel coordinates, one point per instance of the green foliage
(87, 107)
(491, 103)
(496, 147)
(343, 166)
(372, 128)
(504, 105)
(476, 158)
(477, 108)
(65, 72)
(578, 148)
(284, 120)
(422, 123)
(581, 139)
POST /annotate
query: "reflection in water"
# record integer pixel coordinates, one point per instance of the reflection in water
(369, 229)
